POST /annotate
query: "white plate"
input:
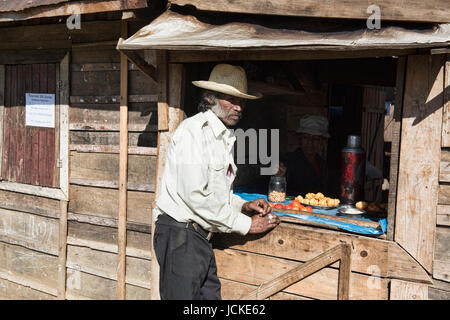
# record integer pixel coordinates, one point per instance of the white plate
(350, 210)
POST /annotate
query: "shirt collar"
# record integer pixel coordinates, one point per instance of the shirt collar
(216, 124)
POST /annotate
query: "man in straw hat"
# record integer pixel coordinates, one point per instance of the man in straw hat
(305, 169)
(196, 198)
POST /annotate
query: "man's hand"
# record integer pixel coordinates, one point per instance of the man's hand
(256, 206)
(262, 223)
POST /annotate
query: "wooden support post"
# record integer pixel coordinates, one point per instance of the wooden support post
(340, 252)
(123, 165)
(2, 107)
(168, 76)
(62, 252)
(345, 271)
(445, 141)
(395, 145)
(142, 65)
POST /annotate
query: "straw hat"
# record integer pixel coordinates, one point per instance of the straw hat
(227, 79)
(314, 124)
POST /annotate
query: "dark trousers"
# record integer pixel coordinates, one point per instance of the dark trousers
(187, 264)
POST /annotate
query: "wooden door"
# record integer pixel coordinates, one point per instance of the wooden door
(30, 153)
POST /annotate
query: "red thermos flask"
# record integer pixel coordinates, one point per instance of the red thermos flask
(353, 168)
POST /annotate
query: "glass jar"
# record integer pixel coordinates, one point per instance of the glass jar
(277, 189)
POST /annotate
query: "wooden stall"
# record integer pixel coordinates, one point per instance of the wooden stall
(76, 199)
(409, 260)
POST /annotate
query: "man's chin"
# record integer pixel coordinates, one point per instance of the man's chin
(231, 123)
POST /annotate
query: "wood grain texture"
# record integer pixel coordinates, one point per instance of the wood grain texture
(123, 172)
(418, 175)
(28, 267)
(104, 166)
(441, 262)
(84, 286)
(255, 269)
(299, 272)
(104, 202)
(446, 112)
(28, 230)
(395, 146)
(303, 243)
(416, 10)
(171, 92)
(403, 290)
(104, 238)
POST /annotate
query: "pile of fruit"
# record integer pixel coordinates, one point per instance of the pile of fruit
(294, 205)
(318, 199)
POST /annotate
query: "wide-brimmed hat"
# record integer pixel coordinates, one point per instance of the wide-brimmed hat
(314, 124)
(228, 79)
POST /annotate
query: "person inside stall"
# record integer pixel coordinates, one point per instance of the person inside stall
(305, 168)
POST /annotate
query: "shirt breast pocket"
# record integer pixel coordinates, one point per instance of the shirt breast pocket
(217, 179)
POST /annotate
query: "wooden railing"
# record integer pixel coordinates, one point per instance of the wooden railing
(341, 252)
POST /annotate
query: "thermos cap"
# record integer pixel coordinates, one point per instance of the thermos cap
(353, 141)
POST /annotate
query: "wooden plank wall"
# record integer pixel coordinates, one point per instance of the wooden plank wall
(94, 175)
(29, 224)
(441, 262)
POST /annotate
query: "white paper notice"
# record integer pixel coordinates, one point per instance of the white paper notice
(40, 110)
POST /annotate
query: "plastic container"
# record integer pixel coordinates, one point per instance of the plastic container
(277, 189)
(353, 168)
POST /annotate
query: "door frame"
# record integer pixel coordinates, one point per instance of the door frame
(62, 192)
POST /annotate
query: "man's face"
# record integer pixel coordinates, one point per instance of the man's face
(229, 109)
(311, 144)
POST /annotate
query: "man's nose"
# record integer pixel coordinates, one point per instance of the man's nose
(238, 107)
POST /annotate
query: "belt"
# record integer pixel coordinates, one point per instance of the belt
(168, 220)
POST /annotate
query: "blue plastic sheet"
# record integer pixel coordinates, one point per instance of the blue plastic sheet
(332, 212)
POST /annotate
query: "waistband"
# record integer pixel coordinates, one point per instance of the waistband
(194, 226)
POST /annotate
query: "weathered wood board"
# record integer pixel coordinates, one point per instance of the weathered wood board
(109, 138)
(10, 290)
(84, 286)
(446, 112)
(441, 262)
(105, 167)
(304, 243)
(29, 203)
(256, 269)
(105, 239)
(403, 290)
(418, 175)
(31, 231)
(232, 290)
(416, 10)
(103, 202)
(104, 264)
(29, 268)
(105, 117)
(85, 83)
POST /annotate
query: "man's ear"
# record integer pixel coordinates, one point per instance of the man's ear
(209, 99)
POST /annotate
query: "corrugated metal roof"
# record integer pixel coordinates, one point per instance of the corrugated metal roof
(19, 5)
(175, 31)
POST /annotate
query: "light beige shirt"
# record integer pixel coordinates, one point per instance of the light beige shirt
(195, 184)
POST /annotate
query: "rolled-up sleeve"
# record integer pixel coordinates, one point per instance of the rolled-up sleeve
(194, 188)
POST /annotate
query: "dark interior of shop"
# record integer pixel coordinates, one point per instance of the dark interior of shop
(355, 95)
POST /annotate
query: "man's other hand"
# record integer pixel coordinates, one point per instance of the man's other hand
(264, 223)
